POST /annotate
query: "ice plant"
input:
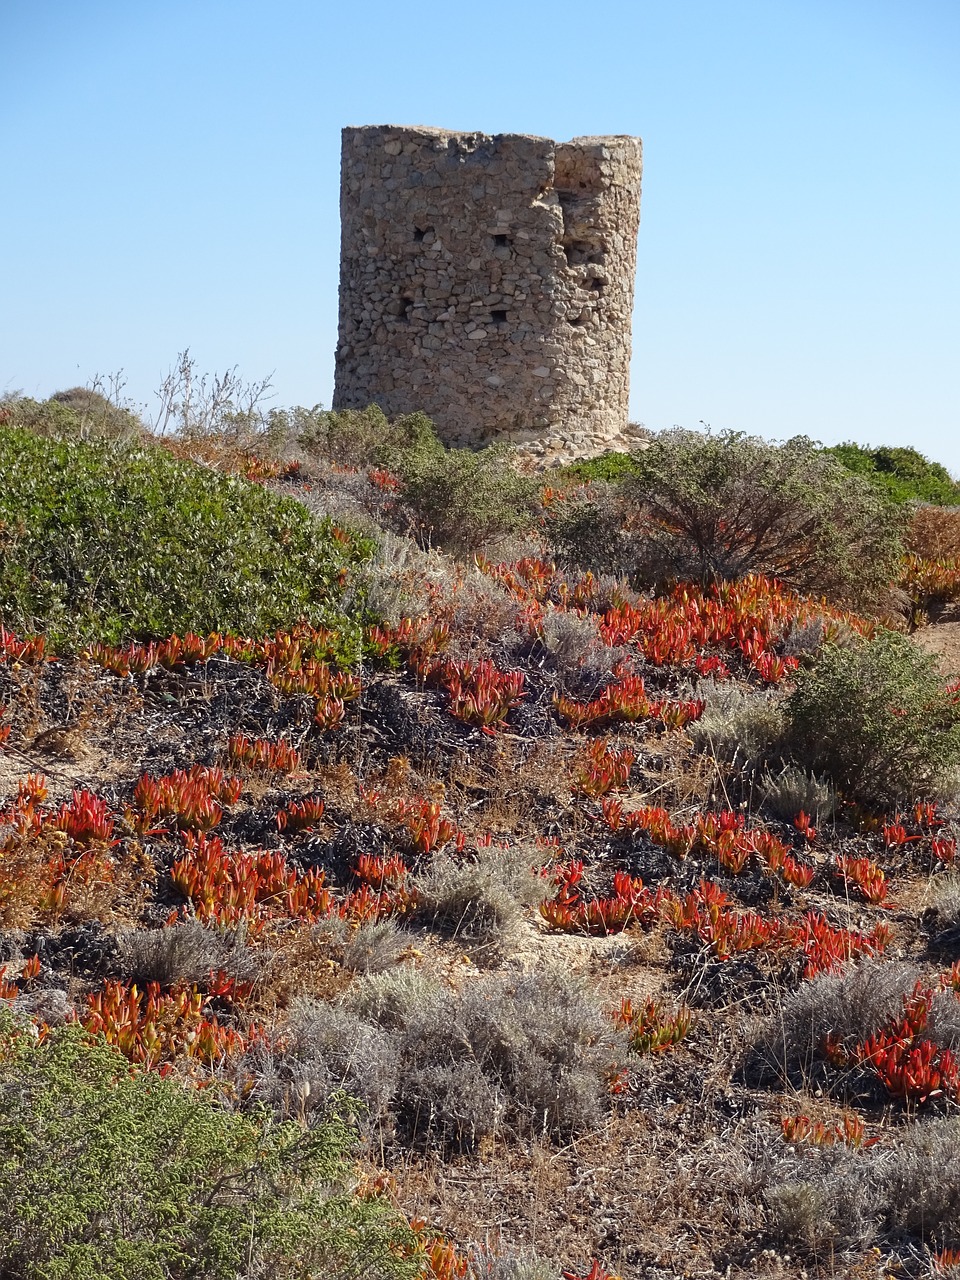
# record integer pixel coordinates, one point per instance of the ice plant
(151, 1027)
(260, 753)
(904, 1059)
(650, 1028)
(851, 1133)
(601, 768)
(300, 815)
(30, 650)
(865, 876)
(85, 818)
(567, 911)
(193, 797)
(827, 949)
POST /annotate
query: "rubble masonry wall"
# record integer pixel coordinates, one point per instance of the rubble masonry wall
(489, 282)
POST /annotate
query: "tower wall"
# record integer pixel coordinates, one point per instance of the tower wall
(489, 282)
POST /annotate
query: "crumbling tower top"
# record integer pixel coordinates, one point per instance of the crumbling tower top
(488, 280)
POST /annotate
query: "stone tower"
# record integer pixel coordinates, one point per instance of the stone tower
(489, 282)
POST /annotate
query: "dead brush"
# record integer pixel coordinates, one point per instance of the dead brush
(793, 791)
(480, 897)
(840, 1199)
(185, 953)
(849, 1006)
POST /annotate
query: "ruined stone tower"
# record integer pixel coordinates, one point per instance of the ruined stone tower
(489, 282)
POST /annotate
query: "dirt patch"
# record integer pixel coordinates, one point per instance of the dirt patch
(943, 639)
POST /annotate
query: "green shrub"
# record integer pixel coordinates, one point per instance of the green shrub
(101, 542)
(902, 474)
(107, 1174)
(722, 506)
(76, 414)
(462, 501)
(592, 529)
(360, 437)
(877, 720)
(610, 466)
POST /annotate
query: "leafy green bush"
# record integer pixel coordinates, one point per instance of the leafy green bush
(76, 414)
(610, 466)
(593, 529)
(462, 501)
(901, 473)
(877, 720)
(359, 437)
(101, 542)
(107, 1174)
(721, 506)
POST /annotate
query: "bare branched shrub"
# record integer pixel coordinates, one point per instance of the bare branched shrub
(793, 791)
(194, 404)
(187, 952)
(736, 725)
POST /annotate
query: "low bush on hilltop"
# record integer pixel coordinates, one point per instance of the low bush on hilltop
(78, 413)
(722, 506)
(711, 508)
(359, 437)
(903, 474)
(101, 542)
(108, 1174)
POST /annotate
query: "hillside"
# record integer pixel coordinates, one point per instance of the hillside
(498, 875)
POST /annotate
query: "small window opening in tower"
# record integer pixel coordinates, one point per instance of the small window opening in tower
(501, 241)
(581, 319)
(498, 317)
(420, 232)
(407, 304)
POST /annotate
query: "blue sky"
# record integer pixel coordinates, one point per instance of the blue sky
(172, 176)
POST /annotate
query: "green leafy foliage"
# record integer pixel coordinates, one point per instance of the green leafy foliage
(463, 501)
(877, 720)
(107, 1174)
(610, 466)
(901, 473)
(722, 506)
(105, 542)
(78, 413)
(359, 437)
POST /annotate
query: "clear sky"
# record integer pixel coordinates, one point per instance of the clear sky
(171, 179)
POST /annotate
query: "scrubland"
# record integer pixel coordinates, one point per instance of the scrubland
(412, 866)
